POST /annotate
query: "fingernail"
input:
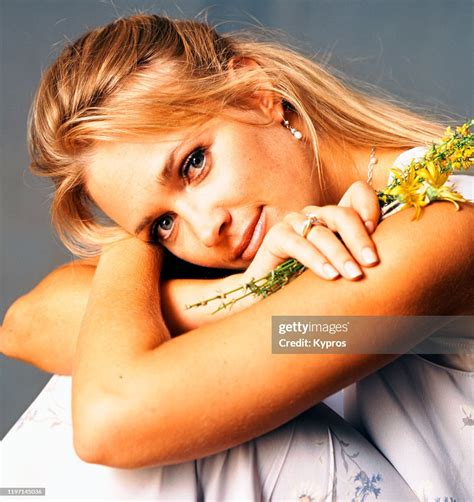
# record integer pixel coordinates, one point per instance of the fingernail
(329, 271)
(352, 270)
(369, 225)
(369, 256)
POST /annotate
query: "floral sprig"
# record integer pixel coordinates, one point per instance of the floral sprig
(422, 182)
(265, 286)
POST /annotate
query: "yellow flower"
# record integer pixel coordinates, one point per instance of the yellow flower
(409, 189)
(448, 132)
(464, 129)
(446, 193)
(432, 175)
(405, 181)
(448, 136)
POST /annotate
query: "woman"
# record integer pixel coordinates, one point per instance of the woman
(223, 146)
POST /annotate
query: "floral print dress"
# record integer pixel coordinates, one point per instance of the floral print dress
(317, 456)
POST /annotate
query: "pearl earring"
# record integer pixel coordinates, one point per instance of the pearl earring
(296, 134)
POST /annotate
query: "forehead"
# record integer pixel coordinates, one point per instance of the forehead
(120, 176)
(116, 165)
(121, 165)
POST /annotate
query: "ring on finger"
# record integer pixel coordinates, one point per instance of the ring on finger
(311, 221)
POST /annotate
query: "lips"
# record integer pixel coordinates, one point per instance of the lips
(252, 237)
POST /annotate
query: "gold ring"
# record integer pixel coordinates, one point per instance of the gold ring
(310, 222)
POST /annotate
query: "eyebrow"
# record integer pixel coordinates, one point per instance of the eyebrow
(162, 178)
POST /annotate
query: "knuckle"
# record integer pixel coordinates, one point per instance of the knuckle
(276, 228)
(294, 240)
(292, 216)
(359, 186)
(347, 211)
(277, 232)
(346, 214)
(310, 209)
(317, 233)
(271, 234)
(321, 231)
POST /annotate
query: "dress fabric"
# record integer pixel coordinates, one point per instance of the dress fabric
(429, 398)
(430, 435)
(316, 455)
(409, 437)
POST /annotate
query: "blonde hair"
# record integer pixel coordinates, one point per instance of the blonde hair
(147, 74)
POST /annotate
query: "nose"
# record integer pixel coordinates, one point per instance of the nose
(206, 222)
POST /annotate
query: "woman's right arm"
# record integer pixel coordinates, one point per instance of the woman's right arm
(42, 326)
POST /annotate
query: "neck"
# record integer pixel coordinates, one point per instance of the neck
(344, 164)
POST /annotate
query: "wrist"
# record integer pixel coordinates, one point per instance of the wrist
(235, 284)
(132, 254)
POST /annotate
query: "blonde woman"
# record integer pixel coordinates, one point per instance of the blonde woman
(214, 149)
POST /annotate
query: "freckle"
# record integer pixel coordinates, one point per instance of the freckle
(120, 376)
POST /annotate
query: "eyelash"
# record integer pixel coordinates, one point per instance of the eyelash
(183, 173)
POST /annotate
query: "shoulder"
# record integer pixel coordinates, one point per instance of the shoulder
(464, 183)
(407, 156)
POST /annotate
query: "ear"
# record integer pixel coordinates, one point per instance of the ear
(266, 100)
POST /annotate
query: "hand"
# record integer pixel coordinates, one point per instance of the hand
(336, 248)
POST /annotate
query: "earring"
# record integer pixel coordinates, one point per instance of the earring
(296, 134)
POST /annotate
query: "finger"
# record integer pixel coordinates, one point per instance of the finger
(303, 250)
(284, 243)
(335, 252)
(363, 199)
(329, 246)
(351, 229)
(264, 261)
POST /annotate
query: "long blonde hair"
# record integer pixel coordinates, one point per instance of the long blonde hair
(146, 74)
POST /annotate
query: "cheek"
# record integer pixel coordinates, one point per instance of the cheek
(276, 155)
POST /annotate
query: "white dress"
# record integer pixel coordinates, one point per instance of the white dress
(428, 396)
(416, 416)
(317, 455)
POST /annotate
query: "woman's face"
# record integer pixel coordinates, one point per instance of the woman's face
(201, 193)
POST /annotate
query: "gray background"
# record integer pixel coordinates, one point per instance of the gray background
(419, 50)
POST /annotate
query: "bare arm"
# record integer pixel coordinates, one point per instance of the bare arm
(41, 327)
(131, 379)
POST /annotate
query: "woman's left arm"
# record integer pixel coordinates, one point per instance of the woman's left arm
(141, 398)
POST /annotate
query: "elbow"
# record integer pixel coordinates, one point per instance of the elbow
(12, 328)
(84, 447)
(87, 443)
(95, 424)
(103, 435)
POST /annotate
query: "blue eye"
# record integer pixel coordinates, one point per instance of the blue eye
(162, 224)
(195, 160)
